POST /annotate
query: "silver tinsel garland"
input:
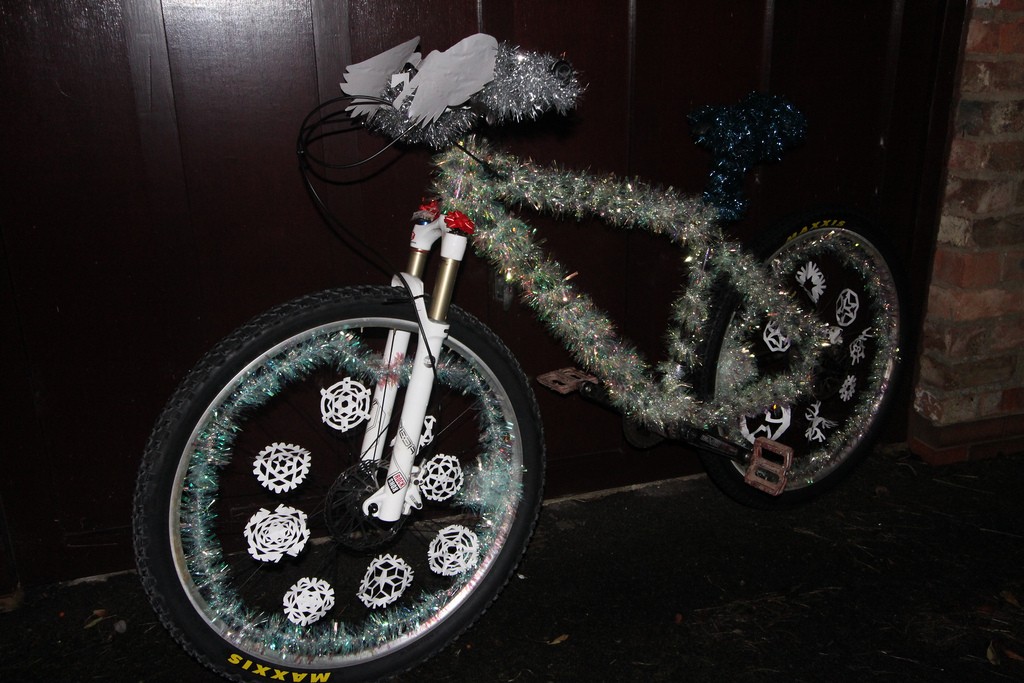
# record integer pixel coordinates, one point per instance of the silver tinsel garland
(484, 190)
(526, 85)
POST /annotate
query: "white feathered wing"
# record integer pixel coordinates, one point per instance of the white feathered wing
(449, 78)
(371, 76)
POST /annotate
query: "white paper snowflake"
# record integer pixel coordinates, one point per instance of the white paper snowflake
(811, 273)
(453, 551)
(774, 424)
(774, 339)
(345, 404)
(272, 535)
(308, 600)
(857, 347)
(440, 477)
(816, 424)
(281, 467)
(385, 580)
(835, 335)
(847, 305)
(427, 435)
(849, 387)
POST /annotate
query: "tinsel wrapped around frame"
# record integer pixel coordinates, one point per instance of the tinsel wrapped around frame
(486, 190)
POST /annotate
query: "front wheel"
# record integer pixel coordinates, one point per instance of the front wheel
(250, 535)
(835, 266)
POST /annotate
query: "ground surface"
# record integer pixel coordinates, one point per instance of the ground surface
(906, 573)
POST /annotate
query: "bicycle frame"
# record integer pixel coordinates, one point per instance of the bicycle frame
(484, 184)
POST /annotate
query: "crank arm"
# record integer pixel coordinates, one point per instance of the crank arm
(767, 465)
(710, 442)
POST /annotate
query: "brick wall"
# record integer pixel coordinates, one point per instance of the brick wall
(969, 397)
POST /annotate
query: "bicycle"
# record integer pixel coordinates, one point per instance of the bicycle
(344, 484)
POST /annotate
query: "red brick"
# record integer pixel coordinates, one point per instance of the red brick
(955, 230)
(1013, 401)
(1007, 335)
(1004, 231)
(1008, 76)
(991, 76)
(1012, 266)
(966, 406)
(958, 305)
(1001, 5)
(1011, 38)
(962, 268)
(972, 154)
(982, 37)
(975, 117)
(955, 340)
(981, 196)
(967, 154)
(1006, 116)
(937, 457)
(1004, 156)
(927, 405)
(976, 77)
(973, 373)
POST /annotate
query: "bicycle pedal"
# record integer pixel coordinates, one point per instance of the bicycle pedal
(566, 380)
(769, 473)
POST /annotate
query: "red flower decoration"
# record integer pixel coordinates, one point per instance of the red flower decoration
(428, 212)
(431, 209)
(459, 222)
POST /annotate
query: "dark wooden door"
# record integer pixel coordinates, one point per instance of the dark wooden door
(151, 200)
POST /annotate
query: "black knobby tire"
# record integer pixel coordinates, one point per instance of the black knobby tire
(223, 537)
(836, 266)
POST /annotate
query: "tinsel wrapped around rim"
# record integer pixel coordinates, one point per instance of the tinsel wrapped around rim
(492, 491)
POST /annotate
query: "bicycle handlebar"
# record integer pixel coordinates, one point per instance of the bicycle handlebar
(437, 100)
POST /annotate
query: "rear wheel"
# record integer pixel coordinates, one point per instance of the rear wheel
(250, 536)
(837, 269)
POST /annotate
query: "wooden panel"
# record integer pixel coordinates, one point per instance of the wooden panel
(835, 61)
(152, 203)
(688, 54)
(87, 269)
(243, 79)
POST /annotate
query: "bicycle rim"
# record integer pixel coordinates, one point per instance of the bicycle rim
(843, 279)
(287, 573)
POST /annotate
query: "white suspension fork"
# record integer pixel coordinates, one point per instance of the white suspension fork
(424, 235)
(400, 494)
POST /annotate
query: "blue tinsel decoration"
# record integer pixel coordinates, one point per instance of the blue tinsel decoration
(758, 129)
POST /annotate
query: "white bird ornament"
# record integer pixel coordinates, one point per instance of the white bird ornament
(443, 80)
